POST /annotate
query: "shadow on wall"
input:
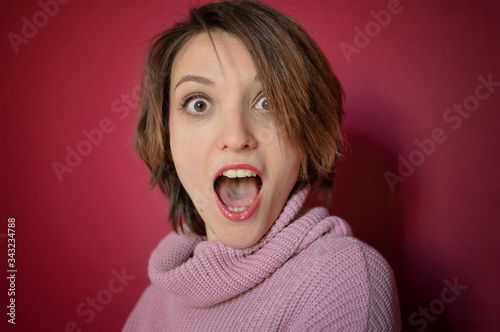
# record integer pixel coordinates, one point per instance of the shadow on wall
(364, 199)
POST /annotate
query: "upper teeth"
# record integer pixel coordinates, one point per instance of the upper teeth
(239, 173)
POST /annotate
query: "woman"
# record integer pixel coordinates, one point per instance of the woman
(240, 116)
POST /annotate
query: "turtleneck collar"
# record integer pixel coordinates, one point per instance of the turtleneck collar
(204, 273)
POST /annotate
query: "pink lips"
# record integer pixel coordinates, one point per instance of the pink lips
(247, 213)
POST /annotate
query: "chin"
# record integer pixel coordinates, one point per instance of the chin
(238, 236)
(243, 244)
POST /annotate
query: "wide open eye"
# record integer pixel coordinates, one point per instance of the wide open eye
(199, 105)
(262, 103)
(196, 103)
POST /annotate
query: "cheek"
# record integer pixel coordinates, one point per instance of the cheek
(291, 166)
(294, 168)
(184, 157)
(289, 158)
(178, 147)
(189, 161)
(180, 143)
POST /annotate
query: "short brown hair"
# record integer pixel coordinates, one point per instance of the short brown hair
(305, 96)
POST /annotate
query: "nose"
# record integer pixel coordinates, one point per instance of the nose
(236, 132)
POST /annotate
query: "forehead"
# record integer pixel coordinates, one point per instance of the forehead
(223, 57)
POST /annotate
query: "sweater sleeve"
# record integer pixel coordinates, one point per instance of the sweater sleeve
(383, 306)
(149, 314)
(140, 314)
(355, 291)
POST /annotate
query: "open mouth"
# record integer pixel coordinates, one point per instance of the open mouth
(238, 191)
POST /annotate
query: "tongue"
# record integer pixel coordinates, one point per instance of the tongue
(237, 192)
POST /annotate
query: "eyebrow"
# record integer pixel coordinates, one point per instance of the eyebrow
(196, 79)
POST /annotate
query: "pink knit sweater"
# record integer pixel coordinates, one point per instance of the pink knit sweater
(306, 274)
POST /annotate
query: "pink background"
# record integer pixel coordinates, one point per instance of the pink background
(81, 70)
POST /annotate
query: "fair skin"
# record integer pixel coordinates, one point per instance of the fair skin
(219, 121)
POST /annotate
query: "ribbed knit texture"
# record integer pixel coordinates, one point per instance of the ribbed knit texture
(306, 274)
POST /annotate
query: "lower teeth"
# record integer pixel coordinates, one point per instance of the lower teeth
(236, 209)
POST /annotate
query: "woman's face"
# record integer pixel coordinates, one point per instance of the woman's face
(225, 146)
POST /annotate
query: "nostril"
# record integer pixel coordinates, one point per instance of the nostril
(236, 132)
(238, 143)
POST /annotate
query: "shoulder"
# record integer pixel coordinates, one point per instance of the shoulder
(338, 251)
(150, 312)
(344, 252)
(351, 284)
